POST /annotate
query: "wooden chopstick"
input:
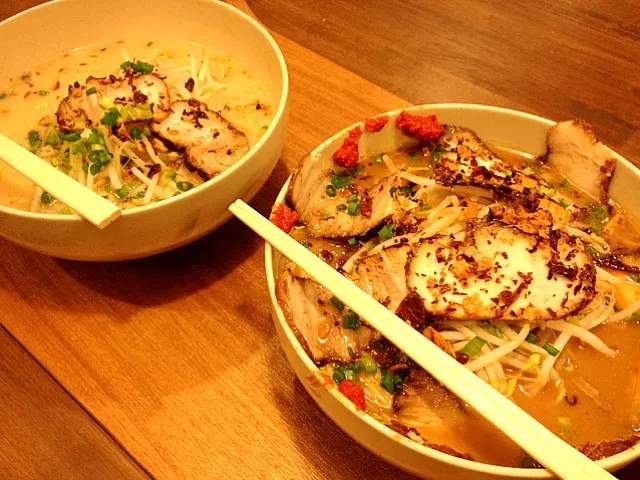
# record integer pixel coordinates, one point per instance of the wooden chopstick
(88, 204)
(556, 455)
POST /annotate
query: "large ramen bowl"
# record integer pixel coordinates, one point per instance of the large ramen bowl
(496, 126)
(50, 30)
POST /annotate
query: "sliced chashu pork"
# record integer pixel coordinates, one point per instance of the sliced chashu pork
(501, 272)
(211, 143)
(497, 271)
(317, 323)
(319, 211)
(574, 150)
(79, 110)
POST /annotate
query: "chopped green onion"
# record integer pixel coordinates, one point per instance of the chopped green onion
(492, 329)
(406, 191)
(435, 155)
(144, 110)
(184, 186)
(551, 350)
(368, 364)
(142, 67)
(339, 376)
(414, 157)
(146, 130)
(351, 352)
(340, 181)
(564, 183)
(46, 198)
(595, 217)
(125, 65)
(353, 208)
(85, 168)
(634, 316)
(378, 159)
(592, 251)
(107, 188)
(91, 91)
(43, 93)
(99, 157)
(386, 232)
(352, 241)
(392, 189)
(342, 206)
(531, 338)
(390, 382)
(331, 190)
(508, 173)
(122, 192)
(426, 207)
(306, 245)
(474, 346)
(69, 137)
(324, 213)
(351, 320)
(110, 117)
(171, 173)
(564, 203)
(355, 171)
(337, 303)
(95, 168)
(34, 138)
(66, 211)
(140, 194)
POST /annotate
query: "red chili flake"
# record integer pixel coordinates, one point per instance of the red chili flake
(375, 124)
(420, 127)
(283, 217)
(353, 392)
(347, 155)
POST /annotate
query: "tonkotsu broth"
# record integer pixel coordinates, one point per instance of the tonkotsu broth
(613, 414)
(25, 100)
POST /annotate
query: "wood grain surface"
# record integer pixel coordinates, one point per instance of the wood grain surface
(45, 432)
(176, 355)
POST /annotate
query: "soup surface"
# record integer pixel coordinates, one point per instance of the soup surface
(574, 368)
(158, 113)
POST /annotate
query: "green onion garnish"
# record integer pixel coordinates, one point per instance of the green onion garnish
(142, 67)
(107, 188)
(352, 198)
(352, 241)
(351, 320)
(564, 203)
(69, 137)
(564, 183)
(386, 232)
(508, 173)
(378, 159)
(414, 157)
(136, 134)
(435, 155)
(551, 350)
(110, 117)
(492, 329)
(43, 93)
(531, 338)
(353, 208)
(392, 189)
(91, 91)
(339, 376)
(34, 139)
(95, 168)
(331, 190)
(474, 346)
(171, 173)
(140, 194)
(340, 181)
(125, 65)
(390, 382)
(184, 186)
(337, 303)
(66, 211)
(342, 206)
(46, 198)
(368, 364)
(406, 191)
(634, 316)
(324, 213)
(122, 192)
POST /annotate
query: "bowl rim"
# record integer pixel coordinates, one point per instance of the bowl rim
(609, 463)
(131, 212)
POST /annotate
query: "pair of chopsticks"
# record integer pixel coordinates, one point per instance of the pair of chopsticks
(556, 455)
(88, 204)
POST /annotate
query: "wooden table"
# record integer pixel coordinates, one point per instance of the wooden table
(169, 367)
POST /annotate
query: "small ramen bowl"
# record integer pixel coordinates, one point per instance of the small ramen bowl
(496, 126)
(48, 31)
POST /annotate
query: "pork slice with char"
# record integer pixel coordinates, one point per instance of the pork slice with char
(316, 321)
(211, 143)
(574, 151)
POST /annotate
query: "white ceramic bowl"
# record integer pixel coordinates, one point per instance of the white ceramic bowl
(496, 126)
(49, 30)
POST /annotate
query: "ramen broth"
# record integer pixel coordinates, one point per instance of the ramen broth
(25, 100)
(602, 398)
